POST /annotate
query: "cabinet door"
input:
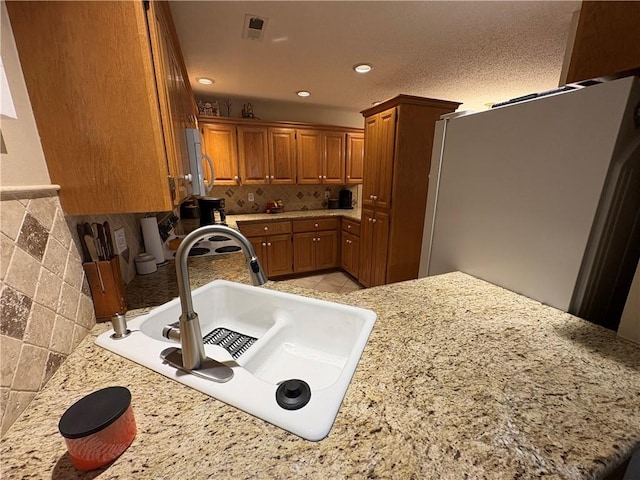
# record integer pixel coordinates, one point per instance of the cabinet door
(282, 156)
(304, 252)
(386, 149)
(326, 245)
(370, 169)
(365, 274)
(355, 158)
(220, 145)
(253, 155)
(379, 249)
(309, 156)
(171, 87)
(279, 253)
(333, 158)
(350, 253)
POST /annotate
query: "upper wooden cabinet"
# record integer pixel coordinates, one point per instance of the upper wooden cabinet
(109, 93)
(355, 158)
(398, 141)
(282, 156)
(220, 145)
(321, 157)
(253, 153)
(287, 153)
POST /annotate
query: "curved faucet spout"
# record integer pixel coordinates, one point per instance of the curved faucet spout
(193, 354)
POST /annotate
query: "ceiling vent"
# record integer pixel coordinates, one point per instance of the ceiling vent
(254, 27)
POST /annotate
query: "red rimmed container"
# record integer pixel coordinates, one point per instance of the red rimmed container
(98, 428)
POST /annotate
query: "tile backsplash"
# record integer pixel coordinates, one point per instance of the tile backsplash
(295, 197)
(46, 308)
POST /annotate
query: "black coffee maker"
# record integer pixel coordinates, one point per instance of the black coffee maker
(345, 199)
(208, 209)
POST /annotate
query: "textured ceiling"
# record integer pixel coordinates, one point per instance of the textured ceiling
(470, 52)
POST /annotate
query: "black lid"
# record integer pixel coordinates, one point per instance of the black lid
(94, 412)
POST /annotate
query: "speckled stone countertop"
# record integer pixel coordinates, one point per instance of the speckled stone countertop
(353, 214)
(459, 379)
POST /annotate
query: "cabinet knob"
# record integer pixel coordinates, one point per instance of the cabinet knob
(264, 244)
(374, 220)
(324, 177)
(236, 178)
(370, 197)
(375, 197)
(320, 177)
(268, 244)
(271, 177)
(266, 229)
(370, 219)
(318, 239)
(266, 177)
(349, 227)
(316, 225)
(348, 176)
(313, 239)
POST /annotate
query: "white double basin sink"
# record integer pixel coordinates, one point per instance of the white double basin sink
(295, 338)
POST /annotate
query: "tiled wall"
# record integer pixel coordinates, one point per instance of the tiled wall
(295, 197)
(45, 305)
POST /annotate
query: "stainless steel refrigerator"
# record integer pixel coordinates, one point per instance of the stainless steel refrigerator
(542, 197)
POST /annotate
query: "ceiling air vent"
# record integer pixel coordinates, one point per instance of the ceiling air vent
(254, 27)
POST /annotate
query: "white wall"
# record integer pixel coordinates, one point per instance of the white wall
(290, 111)
(630, 322)
(24, 163)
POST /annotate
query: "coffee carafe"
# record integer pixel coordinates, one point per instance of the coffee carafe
(209, 209)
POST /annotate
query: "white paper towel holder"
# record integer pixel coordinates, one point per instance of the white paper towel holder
(152, 241)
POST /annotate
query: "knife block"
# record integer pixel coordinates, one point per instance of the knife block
(111, 299)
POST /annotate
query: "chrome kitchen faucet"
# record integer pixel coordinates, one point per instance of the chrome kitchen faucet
(193, 358)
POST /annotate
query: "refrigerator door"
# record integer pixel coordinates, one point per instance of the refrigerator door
(519, 188)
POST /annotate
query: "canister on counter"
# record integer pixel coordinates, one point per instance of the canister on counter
(98, 428)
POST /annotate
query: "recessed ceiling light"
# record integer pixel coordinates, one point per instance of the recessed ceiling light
(205, 81)
(362, 68)
(303, 93)
(376, 103)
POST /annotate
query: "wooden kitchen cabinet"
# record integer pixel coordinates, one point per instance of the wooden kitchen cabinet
(350, 247)
(374, 244)
(282, 156)
(355, 158)
(221, 146)
(398, 141)
(253, 153)
(272, 244)
(320, 157)
(111, 117)
(315, 244)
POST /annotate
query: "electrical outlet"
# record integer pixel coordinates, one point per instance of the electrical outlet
(326, 194)
(251, 197)
(121, 240)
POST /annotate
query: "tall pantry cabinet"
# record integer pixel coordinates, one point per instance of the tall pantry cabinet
(398, 139)
(111, 99)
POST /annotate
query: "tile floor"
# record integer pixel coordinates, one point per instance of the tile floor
(333, 282)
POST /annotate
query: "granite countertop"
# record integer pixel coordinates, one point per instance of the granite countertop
(352, 214)
(459, 379)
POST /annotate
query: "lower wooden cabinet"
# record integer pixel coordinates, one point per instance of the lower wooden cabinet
(350, 254)
(374, 243)
(272, 244)
(315, 244)
(274, 253)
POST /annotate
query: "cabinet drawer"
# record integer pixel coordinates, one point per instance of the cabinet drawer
(265, 228)
(351, 226)
(315, 224)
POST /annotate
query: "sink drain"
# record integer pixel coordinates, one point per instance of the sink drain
(233, 342)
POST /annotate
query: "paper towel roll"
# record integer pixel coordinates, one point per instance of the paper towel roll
(151, 237)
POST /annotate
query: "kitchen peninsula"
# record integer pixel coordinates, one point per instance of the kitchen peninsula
(459, 379)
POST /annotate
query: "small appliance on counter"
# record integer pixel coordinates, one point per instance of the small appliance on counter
(345, 199)
(333, 203)
(209, 209)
